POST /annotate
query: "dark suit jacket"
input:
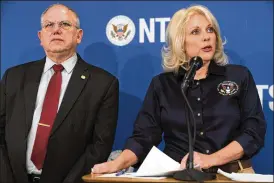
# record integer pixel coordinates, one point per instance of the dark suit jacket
(83, 132)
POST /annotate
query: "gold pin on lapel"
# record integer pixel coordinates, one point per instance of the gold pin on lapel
(83, 77)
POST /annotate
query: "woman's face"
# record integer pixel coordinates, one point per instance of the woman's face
(200, 38)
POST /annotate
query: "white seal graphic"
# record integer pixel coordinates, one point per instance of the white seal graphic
(120, 30)
(227, 88)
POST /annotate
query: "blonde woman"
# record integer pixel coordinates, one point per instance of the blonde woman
(230, 121)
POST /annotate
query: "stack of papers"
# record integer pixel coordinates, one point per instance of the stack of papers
(129, 175)
(157, 165)
(247, 177)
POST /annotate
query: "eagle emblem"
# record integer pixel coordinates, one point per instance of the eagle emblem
(227, 88)
(120, 31)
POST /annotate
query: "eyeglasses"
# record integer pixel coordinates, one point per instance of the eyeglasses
(65, 25)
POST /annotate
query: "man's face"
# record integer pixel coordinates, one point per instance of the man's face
(59, 33)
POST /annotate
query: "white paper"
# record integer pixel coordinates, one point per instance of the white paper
(157, 163)
(108, 175)
(129, 175)
(247, 177)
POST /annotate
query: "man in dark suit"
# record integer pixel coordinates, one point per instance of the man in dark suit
(58, 114)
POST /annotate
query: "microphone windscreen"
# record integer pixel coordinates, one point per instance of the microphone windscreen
(197, 61)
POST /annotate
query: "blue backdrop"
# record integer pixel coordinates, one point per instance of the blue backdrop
(247, 26)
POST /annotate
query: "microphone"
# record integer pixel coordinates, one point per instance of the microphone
(195, 64)
(191, 174)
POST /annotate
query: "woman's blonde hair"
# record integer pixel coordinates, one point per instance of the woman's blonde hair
(174, 53)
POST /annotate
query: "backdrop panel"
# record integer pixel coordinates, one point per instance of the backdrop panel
(247, 27)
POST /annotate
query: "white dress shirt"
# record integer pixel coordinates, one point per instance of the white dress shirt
(46, 76)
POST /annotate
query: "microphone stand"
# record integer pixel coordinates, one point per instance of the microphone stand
(190, 173)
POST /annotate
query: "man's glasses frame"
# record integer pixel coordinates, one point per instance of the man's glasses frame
(65, 25)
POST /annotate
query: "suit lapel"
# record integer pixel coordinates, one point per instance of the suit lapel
(75, 86)
(32, 80)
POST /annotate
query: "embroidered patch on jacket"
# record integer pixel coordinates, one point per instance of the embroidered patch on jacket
(227, 88)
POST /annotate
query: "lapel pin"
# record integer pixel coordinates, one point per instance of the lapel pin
(83, 77)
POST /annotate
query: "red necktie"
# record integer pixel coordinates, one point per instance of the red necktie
(47, 118)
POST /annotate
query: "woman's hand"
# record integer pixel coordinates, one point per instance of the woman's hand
(106, 167)
(203, 161)
(124, 160)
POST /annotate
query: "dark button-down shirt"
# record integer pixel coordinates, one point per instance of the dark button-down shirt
(226, 106)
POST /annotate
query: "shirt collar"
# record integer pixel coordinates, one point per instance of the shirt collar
(67, 64)
(213, 68)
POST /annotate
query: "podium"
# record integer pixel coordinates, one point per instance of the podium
(94, 178)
